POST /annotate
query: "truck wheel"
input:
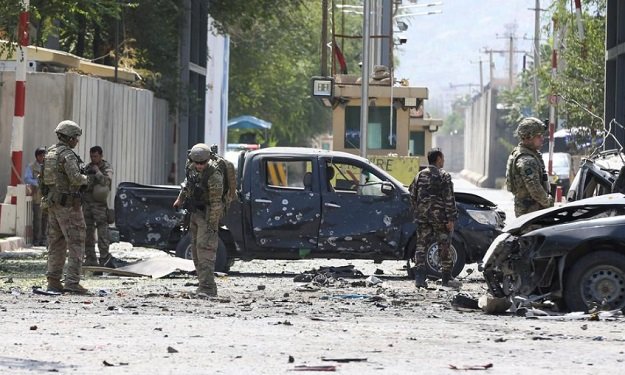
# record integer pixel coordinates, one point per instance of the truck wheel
(222, 264)
(595, 279)
(433, 261)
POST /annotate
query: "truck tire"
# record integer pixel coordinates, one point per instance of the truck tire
(432, 260)
(222, 264)
(596, 278)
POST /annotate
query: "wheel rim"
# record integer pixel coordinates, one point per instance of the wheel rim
(604, 283)
(434, 260)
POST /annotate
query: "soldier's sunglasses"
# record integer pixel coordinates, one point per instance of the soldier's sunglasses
(201, 162)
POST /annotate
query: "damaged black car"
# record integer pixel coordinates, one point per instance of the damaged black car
(572, 255)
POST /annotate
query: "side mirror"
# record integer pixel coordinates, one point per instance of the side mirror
(387, 188)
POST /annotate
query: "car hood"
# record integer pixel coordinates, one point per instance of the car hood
(472, 198)
(578, 210)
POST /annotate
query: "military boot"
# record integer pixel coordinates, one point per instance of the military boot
(75, 288)
(448, 281)
(54, 285)
(206, 292)
(90, 258)
(419, 277)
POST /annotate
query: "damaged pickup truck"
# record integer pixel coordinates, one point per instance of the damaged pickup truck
(573, 255)
(298, 203)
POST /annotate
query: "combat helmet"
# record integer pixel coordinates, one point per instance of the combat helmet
(68, 128)
(200, 153)
(529, 127)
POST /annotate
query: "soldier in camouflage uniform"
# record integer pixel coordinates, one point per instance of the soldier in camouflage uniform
(201, 193)
(526, 177)
(434, 205)
(100, 174)
(61, 183)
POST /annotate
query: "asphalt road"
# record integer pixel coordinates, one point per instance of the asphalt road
(266, 322)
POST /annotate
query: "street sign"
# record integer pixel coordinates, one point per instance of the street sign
(322, 87)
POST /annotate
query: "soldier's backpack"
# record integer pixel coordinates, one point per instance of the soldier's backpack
(230, 181)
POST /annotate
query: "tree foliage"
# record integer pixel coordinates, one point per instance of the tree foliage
(275, 49)
(580, 78)
(271, 64)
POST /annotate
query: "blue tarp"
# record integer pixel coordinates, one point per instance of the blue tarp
(248, 122)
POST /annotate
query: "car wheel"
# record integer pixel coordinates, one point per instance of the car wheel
(433, 261)
(222, 263)
(596, 279)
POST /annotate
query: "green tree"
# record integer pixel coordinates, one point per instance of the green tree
(580, 77)
(274, 52)
(271, 63)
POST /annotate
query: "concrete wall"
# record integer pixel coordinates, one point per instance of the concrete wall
(132, 126)
(486, 141)
(453, 149)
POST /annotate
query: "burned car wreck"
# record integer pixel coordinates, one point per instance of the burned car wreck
(600, 173)
(573, 255)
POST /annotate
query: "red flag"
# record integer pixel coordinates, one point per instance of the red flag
(339, 57)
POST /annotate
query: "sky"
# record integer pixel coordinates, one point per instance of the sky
(444, 49)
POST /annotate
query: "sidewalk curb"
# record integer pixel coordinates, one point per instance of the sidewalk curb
(12, 243)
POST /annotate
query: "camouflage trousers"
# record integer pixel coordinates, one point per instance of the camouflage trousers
(428, 234)
(525, 205)
(204, 242)
(66, 231)
(95, 218)
(40, 224)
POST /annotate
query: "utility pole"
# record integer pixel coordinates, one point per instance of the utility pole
(481, 75)
(364, 92)
(510, 61)
(324, 38)
(491, 64)
(536, 49)
(511, 53)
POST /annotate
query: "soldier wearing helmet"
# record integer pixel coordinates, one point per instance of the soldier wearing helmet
(201, 194)
(526, 177)
(95, 209)
(61, 181)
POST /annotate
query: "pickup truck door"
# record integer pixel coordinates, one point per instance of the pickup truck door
(285, 203)
(356, 215)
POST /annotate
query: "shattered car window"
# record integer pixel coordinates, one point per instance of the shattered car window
(353, 178)
(287, 173)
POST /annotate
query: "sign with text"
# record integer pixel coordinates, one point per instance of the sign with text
(403, 168)
(322, 87)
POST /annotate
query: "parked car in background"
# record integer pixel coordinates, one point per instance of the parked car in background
(290, 206)
(573, 255)
(562, 168)
(234, 149)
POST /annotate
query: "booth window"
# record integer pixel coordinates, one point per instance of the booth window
(416, 144)
(378, 133)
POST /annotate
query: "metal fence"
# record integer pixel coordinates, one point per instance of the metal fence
(131, 125)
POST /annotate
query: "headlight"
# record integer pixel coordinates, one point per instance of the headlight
(485, 217)
(494, 247)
